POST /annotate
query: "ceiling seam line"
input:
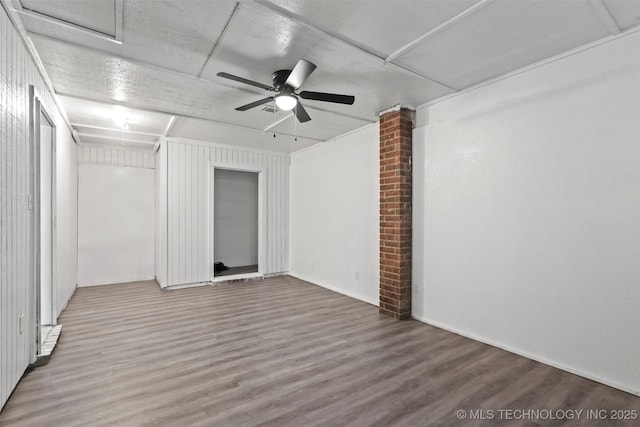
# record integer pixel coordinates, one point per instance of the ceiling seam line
(169, 127)
(219, 39)
(122, 57)
(67, 24)
(444, 25)
(118, 11)
(406, 70)
(112, 129)
(284, 13)
(276, 123)
(137, 141)
(315, 108)
(169, 113)
(141, 63)
(605, 17)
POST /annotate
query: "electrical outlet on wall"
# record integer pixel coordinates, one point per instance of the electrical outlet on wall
(21, 323)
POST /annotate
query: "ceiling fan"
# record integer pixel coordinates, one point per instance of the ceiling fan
(285, 83)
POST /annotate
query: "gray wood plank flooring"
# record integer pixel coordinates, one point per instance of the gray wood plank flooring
(279, 352)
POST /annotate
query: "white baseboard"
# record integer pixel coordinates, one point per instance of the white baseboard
(220, 280)
(66, 303)
(88, 285)
(240, 277)
(335, 289)
(279, 274)
(186, 286)
(535, 357)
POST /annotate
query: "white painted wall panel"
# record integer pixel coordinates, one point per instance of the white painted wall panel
(116, 224)
(17, 296)
(188, 210)
(527, 213)
(116, 156)
(161, 217)
(335, 214)
(115, 243)
(66, 216)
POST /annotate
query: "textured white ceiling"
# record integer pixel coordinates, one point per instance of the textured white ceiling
(504, 36)
(230, 135)
(100, 17)
(363, 22)
(160, 58)
(626, 13)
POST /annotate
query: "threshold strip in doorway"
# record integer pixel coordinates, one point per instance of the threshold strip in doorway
(48, 344)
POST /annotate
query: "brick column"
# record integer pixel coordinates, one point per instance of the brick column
(396, 130)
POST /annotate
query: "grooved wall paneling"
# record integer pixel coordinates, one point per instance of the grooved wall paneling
(17, 297)
(15, 273)
(161, 216)
(105, 155)
(188, 213)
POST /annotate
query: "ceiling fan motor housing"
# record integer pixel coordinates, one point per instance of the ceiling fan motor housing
(279, 81)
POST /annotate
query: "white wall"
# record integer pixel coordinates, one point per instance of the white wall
(116, 224)
(334, 221)
(185, 175)
(66, 216)
(527, 213)
(235, 217)
(161, 217)
(17, 296)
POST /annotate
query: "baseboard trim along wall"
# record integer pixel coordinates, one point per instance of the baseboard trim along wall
(66, 303)
(335, 289)
(531, 356)
(186, 286)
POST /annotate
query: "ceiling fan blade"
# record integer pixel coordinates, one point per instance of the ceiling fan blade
(300, 72)
(243, 80)
(328, 97)
(301, 113)
(255, 104)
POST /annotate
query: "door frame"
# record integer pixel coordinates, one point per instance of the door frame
(38, 111)
(262, 220)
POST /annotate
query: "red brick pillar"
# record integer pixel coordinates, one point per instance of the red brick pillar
(396, 130)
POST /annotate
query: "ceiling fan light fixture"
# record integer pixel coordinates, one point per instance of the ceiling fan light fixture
(286, 102)
(285, 83)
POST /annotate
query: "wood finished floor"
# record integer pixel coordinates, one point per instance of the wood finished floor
(278, 352)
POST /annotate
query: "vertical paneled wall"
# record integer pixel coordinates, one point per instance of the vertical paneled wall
(14, 217)
(17, 297)
(161, 216)
(188, 220)
(116, 156)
